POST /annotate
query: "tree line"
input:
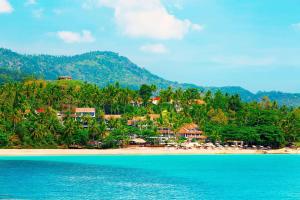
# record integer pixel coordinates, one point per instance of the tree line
(222, 117)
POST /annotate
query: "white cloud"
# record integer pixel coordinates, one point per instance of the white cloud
(148, 19)
(154, 48)
(5, 7)
(74, 37)
(30, 2)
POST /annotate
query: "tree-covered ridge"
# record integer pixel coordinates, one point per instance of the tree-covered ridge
(103, 68)
(100, 68)
(29, 115)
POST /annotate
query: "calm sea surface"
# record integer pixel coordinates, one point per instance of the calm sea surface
(207, 177)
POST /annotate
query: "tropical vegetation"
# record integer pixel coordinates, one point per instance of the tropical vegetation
(222, 117)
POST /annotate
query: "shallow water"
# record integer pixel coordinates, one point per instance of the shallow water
(206, 177)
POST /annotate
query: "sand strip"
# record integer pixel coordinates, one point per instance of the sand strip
(138, 151)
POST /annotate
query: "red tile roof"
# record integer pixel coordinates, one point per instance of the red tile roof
(40, 110)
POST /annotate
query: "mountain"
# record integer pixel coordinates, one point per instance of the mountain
(96, 67)
(291, 99)
(104, 67)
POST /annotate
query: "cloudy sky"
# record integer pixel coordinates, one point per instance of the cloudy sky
(251, 43)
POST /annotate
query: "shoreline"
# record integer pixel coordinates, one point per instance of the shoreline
(140, 151)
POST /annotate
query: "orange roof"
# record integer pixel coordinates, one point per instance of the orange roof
(130, 122)
(154, 116)
(200, 102)
(85, 110)
(190, 129)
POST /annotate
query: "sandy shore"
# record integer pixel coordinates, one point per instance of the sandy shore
(138, 151)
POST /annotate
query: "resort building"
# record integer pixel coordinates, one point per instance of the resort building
(40, 110)
(64, 78)
(154, 117)
(108, 118)
(155, 100)
(80, 112)
(165, 134)
(191, 131)
(199, 102)
(136, 120)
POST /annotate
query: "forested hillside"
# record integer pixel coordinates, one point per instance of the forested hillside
(103, 68)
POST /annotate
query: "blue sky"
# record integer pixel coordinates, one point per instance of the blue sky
(250, 43)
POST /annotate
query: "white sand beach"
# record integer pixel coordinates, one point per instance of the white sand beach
(139, 151)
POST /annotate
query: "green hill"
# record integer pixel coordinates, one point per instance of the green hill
(97, 67)
(102, 68)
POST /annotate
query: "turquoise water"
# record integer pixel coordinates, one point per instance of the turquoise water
(206, 177)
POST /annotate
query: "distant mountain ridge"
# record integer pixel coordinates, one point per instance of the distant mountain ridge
(104, 67)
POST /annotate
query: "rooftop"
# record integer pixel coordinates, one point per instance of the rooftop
(83, 110)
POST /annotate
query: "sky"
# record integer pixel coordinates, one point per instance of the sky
(254, 44)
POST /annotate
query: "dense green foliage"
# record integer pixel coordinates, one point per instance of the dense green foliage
(103, 68)
(222, 117)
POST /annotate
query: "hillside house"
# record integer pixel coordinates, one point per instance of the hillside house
(191, 131)
(40, 110)
(199, 102)
(155, 100)
(64, 78)
(81, 112)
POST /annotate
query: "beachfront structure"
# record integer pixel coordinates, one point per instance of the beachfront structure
(166, 133)
(191, 131)
(137, 141)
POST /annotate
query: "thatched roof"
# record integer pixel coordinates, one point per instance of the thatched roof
(190, 129)
(138, 141)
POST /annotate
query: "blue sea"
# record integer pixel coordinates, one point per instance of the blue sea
(203, 177)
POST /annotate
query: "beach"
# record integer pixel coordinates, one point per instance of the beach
(140, 151)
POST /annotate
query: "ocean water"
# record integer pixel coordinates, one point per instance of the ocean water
(204, 177)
